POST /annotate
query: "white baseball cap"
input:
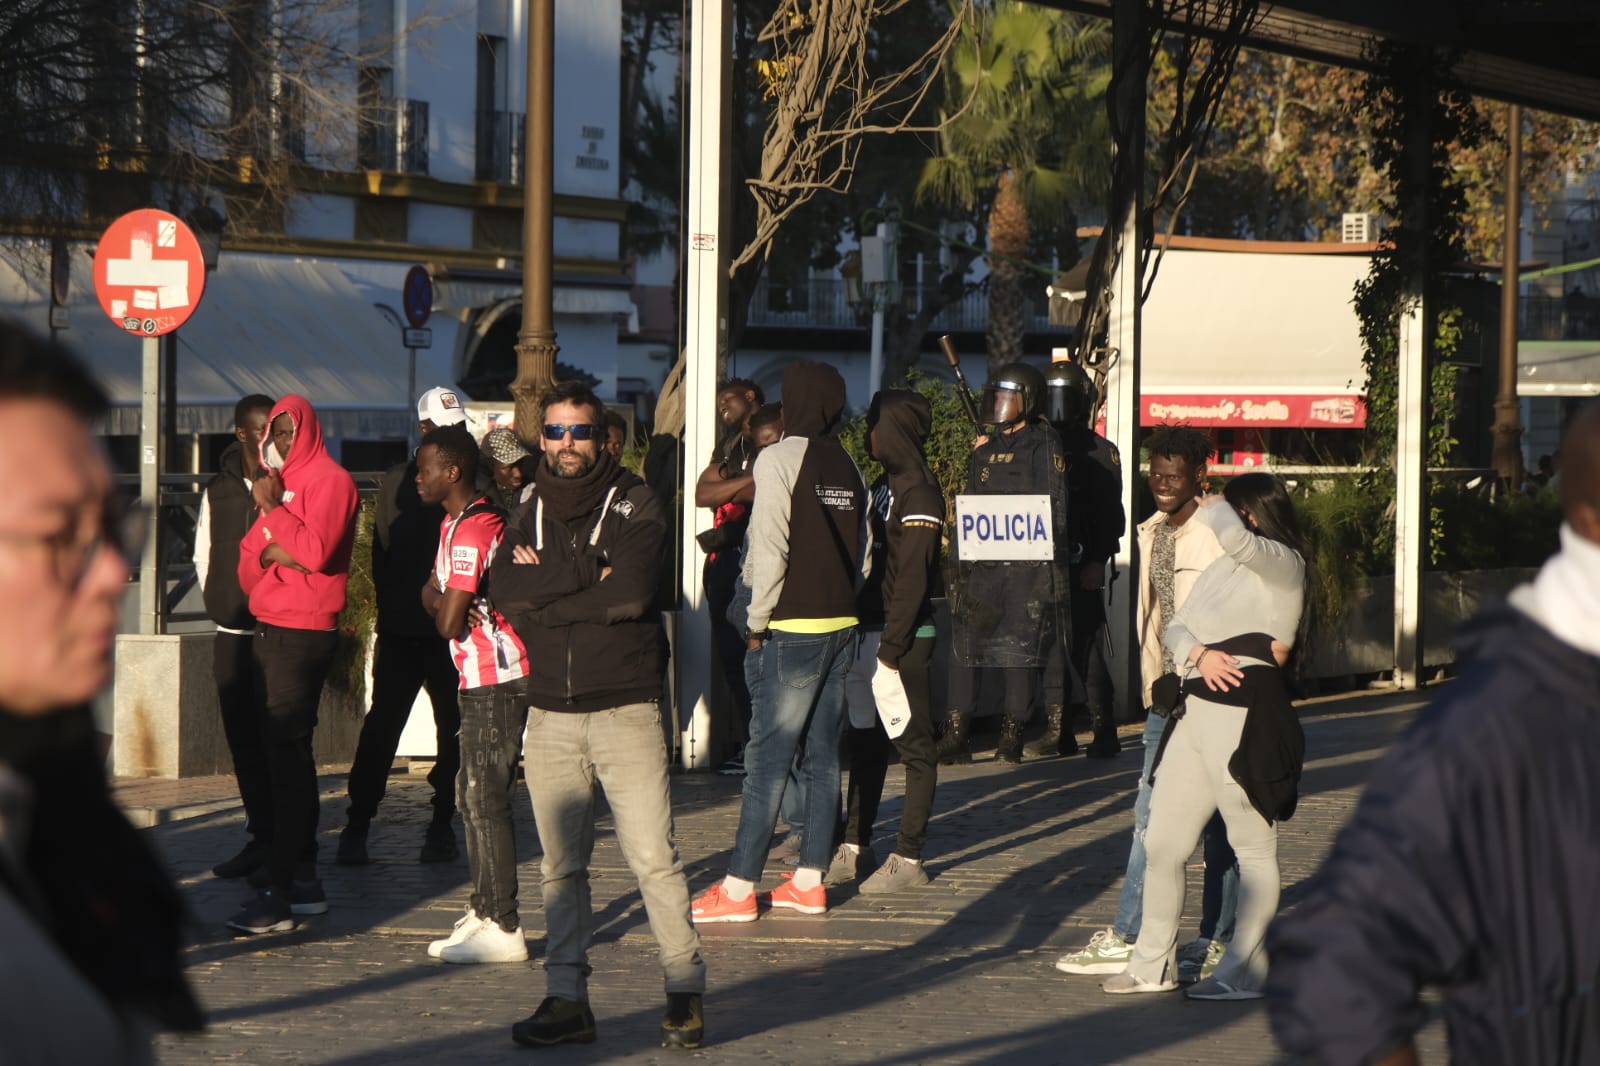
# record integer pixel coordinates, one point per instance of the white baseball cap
(442, 407)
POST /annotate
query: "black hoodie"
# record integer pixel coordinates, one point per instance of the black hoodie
(229, 512)
(810, 514)
(898, 426)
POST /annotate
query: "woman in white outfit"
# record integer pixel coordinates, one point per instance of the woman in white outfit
(1237, 747)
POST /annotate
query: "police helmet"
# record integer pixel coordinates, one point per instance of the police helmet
(1013, 393)
(1067, 394)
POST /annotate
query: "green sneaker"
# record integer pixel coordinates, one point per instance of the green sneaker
(1107, 953)
(557, 1021)
(1198, 959)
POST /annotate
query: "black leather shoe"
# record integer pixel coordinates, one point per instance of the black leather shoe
(250, 858)
(557, 1021)
(438, 844)
(683, 1023)
(353, 847)
(1010, 747)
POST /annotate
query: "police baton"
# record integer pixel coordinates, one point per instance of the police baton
(948, 347)
(1111, 589)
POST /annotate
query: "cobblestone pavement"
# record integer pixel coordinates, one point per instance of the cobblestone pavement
(1026, 862)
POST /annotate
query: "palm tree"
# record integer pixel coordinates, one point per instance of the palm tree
(1025, 137)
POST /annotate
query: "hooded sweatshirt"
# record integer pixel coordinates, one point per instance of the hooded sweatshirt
(315, 524)
(810, 514)
(899, 424)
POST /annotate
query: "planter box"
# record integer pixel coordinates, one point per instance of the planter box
(165, 717)
(1362, 639)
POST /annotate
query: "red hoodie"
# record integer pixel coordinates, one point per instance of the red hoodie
(315, 524)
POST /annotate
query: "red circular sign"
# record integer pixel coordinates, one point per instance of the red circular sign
(148, 272)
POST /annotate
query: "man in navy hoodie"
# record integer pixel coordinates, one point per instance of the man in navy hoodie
(294, 564)
(1470, 864)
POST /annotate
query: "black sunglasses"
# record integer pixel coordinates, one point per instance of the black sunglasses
(579, 431)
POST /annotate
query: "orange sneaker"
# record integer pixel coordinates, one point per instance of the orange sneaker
(715, 905)
(809, 901)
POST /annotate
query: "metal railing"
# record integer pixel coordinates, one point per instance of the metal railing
(392, 134)
(1555, 318)
(825, 303)
(500, 146)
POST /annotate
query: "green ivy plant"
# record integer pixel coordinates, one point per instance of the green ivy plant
(1385, 295)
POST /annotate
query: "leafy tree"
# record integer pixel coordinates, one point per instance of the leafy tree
(1024, 137)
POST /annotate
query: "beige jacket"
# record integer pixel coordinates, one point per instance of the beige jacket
(1195, 547)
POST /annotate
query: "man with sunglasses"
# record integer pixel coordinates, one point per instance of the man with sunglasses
(577, 575)
(89, 921)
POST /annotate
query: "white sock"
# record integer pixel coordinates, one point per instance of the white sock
(737, 888)
(807, 878)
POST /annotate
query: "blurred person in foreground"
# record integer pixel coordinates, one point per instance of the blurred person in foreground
(89, 921)
(1470, 864)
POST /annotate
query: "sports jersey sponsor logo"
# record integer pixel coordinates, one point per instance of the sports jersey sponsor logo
(464, 560)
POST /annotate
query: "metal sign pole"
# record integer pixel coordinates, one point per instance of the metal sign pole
(411, 397)
(150, 485)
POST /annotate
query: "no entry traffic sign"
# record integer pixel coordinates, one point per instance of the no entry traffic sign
(148, 272)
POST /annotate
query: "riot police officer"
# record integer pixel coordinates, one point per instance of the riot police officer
(1008, 613)
(1095, 520)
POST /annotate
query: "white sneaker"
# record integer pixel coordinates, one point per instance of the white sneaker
(1107, 953)
(1125, 983)
(463, 928)
(488, 943)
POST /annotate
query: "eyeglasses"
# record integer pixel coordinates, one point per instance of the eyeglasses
(122, 526)
(580, 431)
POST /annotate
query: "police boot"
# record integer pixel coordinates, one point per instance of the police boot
(1048, 746)
(1010, 747)
(1105, 744)
(952, 748)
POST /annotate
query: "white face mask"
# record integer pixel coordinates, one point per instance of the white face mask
(270, 456)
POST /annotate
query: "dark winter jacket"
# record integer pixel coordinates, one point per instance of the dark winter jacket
(229, 512)
(315, 524)
(810, 514)
(592, 644)
(1471, 864)
(910, 528)
(1095, 518)
(405, 538)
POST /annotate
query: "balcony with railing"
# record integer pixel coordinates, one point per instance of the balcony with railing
(392, 134)
(824, 303)
(1559, 318)
(500, 140)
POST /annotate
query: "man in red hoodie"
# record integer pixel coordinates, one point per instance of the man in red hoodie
(293, 564)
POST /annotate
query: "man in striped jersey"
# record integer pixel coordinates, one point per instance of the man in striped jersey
(492, 663)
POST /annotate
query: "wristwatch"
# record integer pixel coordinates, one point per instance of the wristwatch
(757, 634)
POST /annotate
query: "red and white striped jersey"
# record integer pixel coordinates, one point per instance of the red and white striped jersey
(490, 653)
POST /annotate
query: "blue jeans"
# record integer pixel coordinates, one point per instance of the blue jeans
(1221, 885)
(796, 697)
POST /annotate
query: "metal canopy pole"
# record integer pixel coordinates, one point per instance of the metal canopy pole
(705, 334)
(1130, 45)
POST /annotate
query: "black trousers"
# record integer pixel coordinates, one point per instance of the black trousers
(294, 666)
(402, 665)
(869, 762)
(239, 699)
(1088, 653)
(720, 574)
(1020, 685)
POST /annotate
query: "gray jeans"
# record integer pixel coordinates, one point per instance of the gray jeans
(622, 750)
